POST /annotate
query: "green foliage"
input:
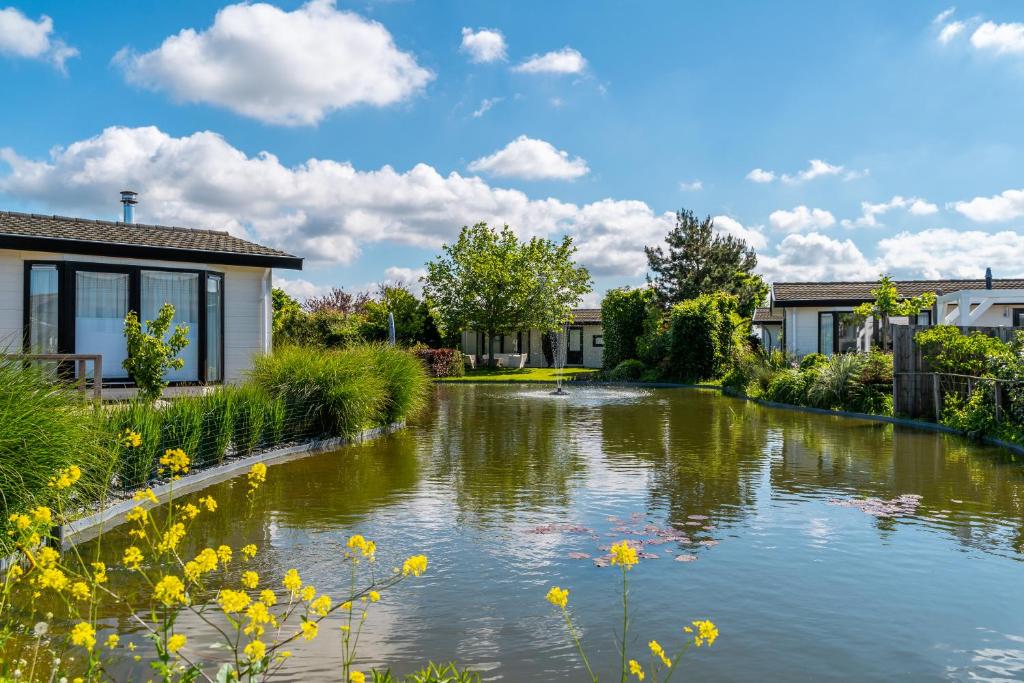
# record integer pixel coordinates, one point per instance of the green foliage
(215, 409)
(623, 315)
(752, 371)
(136, 465)
(701, 336)
(432, 673)
(152, 353)
(699, 261)
(630, 370)
(442, 362)
(410, 315)
(288, 315)
(182, 425)
(888, 303)
(813, 360)
(652, 346)
(945, 349)
(872, 390)
(789, 386)
(406, 380)
(833, 383)
(249, 408)
(974, 414)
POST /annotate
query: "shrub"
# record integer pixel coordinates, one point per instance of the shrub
(44, 427)
(152, 353)
(215, 408)
(789, 386)
(872, 391)
(813, 360)
(945, 349)
(629, 370)
(834, 381)
(405, 381)
(623, 314)
(442, 362)
(974, 414)
(701, 335)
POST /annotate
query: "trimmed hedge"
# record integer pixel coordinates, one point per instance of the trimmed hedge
(701, 334)
(623, 313)
(630, 370)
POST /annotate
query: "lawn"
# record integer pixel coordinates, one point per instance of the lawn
(521, 375)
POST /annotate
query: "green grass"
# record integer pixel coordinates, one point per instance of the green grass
(522, 375)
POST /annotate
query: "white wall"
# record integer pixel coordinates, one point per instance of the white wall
(247, 302)
(801, 331)
(592, 356)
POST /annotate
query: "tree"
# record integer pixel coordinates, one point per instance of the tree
(702, 262)
(888, 303)
(410, 316)
(337, 300)
(490, 281)
(151, 353)
(623, 313)
(286, 311)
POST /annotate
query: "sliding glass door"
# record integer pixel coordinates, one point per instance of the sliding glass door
(43, 308)
(214, 327)
(101, 303)
(181, 290)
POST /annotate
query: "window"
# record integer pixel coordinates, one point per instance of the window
(181, 290)
(838, 332)
(922, 318)
(598, 340)
(214, 327)
(101, 303)
(42, 311)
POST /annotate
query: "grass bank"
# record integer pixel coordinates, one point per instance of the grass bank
(547, 375)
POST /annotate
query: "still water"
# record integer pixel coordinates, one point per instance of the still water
(824, 548)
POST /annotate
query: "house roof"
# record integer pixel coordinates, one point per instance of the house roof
(29, 231)
(823, 293)
(767, 316)
(586, 315)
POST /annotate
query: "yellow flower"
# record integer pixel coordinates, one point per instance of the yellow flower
(707, 632)
(15, 573)
(233, 601)
(176, 642)
(171, 538)
(140, 533)
(209, 503)
(51, 577)
(268, 598)
(146, 495)
(250, 579)
(43, 515)
(347, 606)
(308, 593)
(255, 650)
(80, 590)
(192, 571)
(99, 572)
(189, 511)
(169, 590)
(224, 553)
(257, 475)
(321, 606)
(132, 557)
(249, 551)
(624, 554)
(309, 630)
(292, 581)
(207, 559)
(47, 557)
(112, 640)
(636, 669)
(19, 521)
(415, 565)
(66, 477)
(357, 677)
(374, 596)
(83, 634)
(559, 597)
(658, 651)
(175, 460)
(131, 439)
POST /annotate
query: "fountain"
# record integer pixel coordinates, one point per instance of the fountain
(559, 358)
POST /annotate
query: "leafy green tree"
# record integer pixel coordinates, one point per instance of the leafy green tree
(699, 261)
(151, 353)
(623, 313)
(888, 303)
(287, 311)
(410, 315)
(702, 335)
(490, 281)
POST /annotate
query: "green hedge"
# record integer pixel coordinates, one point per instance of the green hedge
(623, 313)
(701, 333)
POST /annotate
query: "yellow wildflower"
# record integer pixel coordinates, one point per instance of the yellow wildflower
(207, 559)
(258, 615)
(51, 577)
(171, 538)
(192, 571)
(658, 651)
(131, 439)
(84, 634)
(43, 515)
(80, 590)
(624, 554)
(209, 503)
(268, 597)
(255, 650)
(175, 460)
(309, 630)
(559, 597)
(132, 557)
(233, 601)
(176, 642)
(636, 669)
(707, 632)
(292, 581)
(415, 565)
(112, 640)
(374, 596)
(147, 494)
(321, 606)
(47, 557)
(66, 477)
(140, 533)
(257, 475)
(250, 579)
(99, 572)
(189, 511)
(224, 553)
(169, 590)
(19, 521)
(249, 551)
(357, 677)
(15, 573)
(308, 593)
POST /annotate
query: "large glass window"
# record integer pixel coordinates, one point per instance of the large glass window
(43, 309)
(101, 303)
(826, 329)
(181, 290)
(214, 328)
(838, 332)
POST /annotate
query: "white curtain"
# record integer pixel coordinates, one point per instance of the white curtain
(101, 303)
(43, 309)
(181, 290)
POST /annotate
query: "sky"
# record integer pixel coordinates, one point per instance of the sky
(842, 140)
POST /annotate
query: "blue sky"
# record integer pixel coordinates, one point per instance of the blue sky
(361, 135)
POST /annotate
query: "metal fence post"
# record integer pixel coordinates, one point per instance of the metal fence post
(999, 399)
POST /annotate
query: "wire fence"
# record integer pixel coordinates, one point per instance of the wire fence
(929, 394)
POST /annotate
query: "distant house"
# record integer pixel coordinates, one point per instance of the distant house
(767, 326)
(68, 283)
(583, 342)
(816, 317)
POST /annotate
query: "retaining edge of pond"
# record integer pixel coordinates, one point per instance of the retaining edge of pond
(90, 526)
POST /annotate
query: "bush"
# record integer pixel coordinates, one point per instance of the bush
(215, 408)
(701, 336)
(974, 414)
(405, 380)
(630, 370)
(623, 314)
(248, 417)
(813, 360)
(442, 362)
(834, 381)
(789, 386)
(151, 353)
(945, 349)
(872, 391)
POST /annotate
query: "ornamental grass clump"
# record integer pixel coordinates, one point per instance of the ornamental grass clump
(405, 377)
(698, 634)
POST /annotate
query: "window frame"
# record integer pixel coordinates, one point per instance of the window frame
(594, 339)
(835, 331)
(66, 296)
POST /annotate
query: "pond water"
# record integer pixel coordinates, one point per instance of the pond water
(824, 548)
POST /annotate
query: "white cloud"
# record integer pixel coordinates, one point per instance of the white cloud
(999, 38)
(298, 288)
(564, 61)
(816, 168)
(322, 209)
(800, 218)
(871, 212)
(1002, 207)
(759, 175)
(410, 277)
(943, 15)
(486, 105)
(22, 37)
(951, 31)
(693, 186)
(940, 253)
(484, 45)
(815, 257)
(754, 236)
(290, 68)
(530, 159)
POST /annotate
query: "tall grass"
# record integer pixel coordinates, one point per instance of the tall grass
(44, 427)
(136, 465)
(406, 380)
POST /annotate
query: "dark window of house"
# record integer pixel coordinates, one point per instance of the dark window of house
(838, 332)
(598, 340)
(43, 294)
(922, 318)
(214, 327)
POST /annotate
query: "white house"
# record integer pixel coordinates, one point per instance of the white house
(583, 342)
(816, 317)
(68, 283)
(767, 326)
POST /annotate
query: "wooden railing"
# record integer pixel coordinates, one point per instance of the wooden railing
(80, 359)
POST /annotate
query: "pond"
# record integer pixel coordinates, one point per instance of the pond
(824, 548)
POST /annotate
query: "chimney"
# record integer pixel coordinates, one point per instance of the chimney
(988, 278)
(128, 198)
